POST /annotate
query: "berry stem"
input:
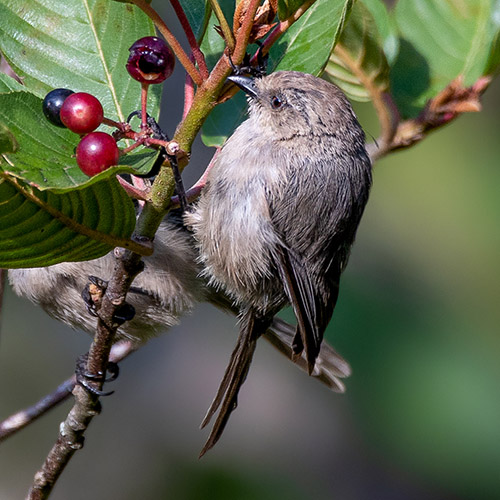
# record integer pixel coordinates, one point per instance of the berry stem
(136, 144)
(111, 123)
(226, 30)
(195, 48)
(144, 105)
(158, 142)
(170, 39)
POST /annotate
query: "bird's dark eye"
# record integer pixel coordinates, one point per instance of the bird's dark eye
(276, 102)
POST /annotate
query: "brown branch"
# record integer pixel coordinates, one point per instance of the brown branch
(451, 102)
(244, 31)
(87, 406)
(70, 440)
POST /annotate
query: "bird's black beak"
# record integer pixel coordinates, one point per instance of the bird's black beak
(244, 83)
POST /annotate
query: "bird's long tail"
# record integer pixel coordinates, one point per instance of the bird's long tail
(251, 328)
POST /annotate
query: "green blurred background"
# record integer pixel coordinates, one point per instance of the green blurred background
(417, 319)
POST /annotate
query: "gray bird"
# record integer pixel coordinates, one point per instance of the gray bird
(168, 288)
(279, 214)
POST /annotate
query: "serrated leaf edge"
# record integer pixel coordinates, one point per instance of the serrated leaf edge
(112, 241)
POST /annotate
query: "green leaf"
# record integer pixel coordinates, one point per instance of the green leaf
(287, 7)
(8, 84)
(307, 45)
(224, 119)
(213, 44)
(77, 44)
(494, 57)
(386, 27)
(439, 41)
(358, 64)
(198, 14)
(8, 143)
(40, 228)
(45, 157)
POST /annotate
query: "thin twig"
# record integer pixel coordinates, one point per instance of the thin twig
(19, 420)
(386, 109)
(193, 43)
(224, 26)
(449, 104)
(170, 39)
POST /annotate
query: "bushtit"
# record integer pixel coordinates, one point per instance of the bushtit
(168, 287)
(279, 214)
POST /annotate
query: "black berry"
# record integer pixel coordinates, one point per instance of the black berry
(52, 105)
(150, 60)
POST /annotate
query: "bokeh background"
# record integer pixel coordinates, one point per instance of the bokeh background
(418, 319)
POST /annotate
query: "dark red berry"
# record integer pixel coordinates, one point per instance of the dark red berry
(150, 60)
(97, 152)
(52, 105)
(82, 113)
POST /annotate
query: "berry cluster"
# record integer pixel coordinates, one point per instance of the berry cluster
(150, 61)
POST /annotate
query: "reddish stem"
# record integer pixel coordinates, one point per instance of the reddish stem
(136, 144)
(195, 48)
(194, 191)
(188, 95)
(158, 142)
(122, 127)
(144, 105)
(133, 191)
